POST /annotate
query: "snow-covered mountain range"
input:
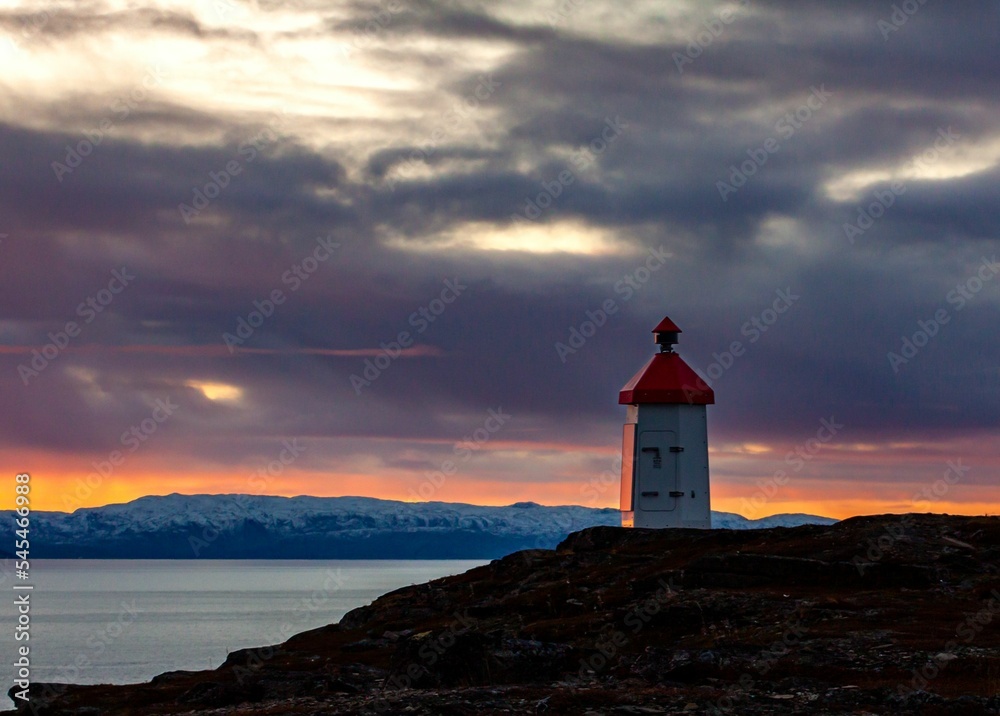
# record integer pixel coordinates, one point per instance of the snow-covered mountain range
(263, 527)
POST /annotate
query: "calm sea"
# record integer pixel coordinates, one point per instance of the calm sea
(123, 621)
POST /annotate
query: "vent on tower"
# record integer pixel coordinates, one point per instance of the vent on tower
(665, 335)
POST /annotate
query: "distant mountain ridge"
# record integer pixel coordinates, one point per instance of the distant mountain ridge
(266, 527)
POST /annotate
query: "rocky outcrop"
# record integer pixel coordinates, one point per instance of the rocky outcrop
(889, 614)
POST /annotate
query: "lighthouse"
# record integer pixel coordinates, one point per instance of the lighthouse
(665, 441)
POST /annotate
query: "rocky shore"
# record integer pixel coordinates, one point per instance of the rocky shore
(886, 614)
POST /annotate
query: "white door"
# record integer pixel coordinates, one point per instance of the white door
(657, 471)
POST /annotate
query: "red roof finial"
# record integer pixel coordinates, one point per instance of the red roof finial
(666, 378)
(666, 325)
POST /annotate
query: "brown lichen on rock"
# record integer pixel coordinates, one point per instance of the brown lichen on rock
(887, 614)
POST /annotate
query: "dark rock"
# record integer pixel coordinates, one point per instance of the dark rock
(864, 616)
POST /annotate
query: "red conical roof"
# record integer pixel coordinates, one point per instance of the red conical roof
(666, 378)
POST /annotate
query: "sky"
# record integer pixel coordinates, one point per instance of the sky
(412, 249)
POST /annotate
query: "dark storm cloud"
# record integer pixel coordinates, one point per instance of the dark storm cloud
(134, 189)
(655, 185)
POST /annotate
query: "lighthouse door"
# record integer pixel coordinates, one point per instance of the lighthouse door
(657, 471)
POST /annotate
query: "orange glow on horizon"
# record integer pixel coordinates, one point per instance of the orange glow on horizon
(835, 483)
(70, 491)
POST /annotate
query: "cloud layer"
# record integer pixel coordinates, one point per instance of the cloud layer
(397, 211)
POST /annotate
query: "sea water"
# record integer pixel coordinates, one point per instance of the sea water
(125, 621)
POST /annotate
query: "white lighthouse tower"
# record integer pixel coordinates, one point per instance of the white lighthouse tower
(665, 442)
